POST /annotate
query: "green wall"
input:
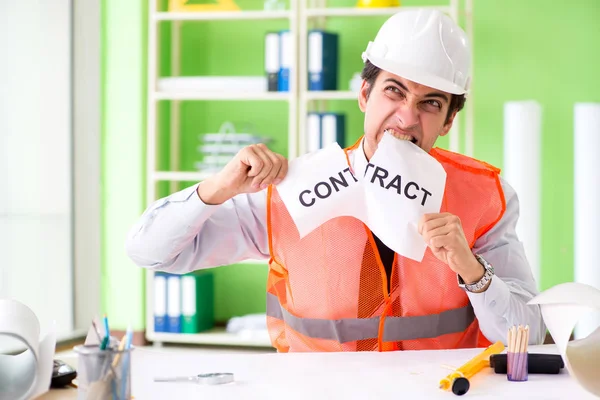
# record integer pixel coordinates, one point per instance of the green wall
(546, 52)
(523, 50)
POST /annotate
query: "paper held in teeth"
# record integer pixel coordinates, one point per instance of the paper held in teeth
(400, 136)
(399, 184)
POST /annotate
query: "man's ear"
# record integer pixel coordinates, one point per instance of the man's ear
(363, 95)
(448, 124)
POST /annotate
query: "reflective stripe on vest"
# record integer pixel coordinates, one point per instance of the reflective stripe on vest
(395, 328)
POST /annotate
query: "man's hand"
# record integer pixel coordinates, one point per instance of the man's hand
(254, 168)
(444, 235)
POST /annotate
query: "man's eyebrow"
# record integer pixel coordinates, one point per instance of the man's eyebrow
(432, 94)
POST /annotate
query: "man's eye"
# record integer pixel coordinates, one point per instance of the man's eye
(393, 89)
(434, 103)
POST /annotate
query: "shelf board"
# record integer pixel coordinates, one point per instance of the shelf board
(266, 96)
(331, 95)
(363, 12)
(220, 15)
(216, 336)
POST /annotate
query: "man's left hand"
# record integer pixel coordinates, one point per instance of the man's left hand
(444, 235)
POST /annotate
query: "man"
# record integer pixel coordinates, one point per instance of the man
(340, 288)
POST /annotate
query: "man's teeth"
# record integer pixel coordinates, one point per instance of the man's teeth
(399, 135)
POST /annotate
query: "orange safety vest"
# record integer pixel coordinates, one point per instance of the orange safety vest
(328, 291)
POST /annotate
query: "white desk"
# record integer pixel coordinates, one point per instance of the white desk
(395, 375)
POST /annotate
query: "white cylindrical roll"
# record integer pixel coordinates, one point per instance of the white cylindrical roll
(18, 372)
(522, 159)
(587, 204)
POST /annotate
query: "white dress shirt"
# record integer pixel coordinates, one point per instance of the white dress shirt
(180, 234)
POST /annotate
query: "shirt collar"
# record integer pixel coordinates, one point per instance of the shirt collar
(358, 159)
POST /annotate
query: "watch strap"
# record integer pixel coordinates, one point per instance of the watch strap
(481, 283)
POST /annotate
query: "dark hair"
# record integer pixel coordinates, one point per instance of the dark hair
(370, 73)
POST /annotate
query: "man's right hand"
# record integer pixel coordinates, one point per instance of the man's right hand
(252, 169)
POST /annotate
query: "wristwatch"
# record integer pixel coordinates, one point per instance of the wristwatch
(480, 284)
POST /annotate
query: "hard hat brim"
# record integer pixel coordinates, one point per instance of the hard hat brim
(416, 75)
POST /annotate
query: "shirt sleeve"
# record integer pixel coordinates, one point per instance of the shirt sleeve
(504, 303)
(180, 233)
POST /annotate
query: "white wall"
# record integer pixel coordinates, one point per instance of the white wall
(36, 244)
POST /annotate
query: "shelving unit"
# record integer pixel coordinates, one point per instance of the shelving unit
(301, 16)
(174, 175)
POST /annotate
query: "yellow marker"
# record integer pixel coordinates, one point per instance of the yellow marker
(378, 3)
(459, 379)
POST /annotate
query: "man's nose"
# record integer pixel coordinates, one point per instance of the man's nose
(407, 115)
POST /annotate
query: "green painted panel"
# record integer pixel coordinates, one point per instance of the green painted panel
(123, 152)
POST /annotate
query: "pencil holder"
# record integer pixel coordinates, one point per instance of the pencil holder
(517, 363)
(517, 366)
(103, 374)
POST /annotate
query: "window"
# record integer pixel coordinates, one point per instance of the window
(49, 139)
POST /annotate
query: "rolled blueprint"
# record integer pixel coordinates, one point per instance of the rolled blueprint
(587, 204)
(562, 306)
(28, 374)
(522, 159)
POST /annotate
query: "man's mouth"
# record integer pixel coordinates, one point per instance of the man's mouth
(401, 136)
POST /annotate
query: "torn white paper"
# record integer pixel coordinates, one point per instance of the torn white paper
(400, 184)
(562, 306)
(319, 186)
(25, 375)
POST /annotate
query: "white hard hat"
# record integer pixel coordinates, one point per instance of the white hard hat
(424, 46)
